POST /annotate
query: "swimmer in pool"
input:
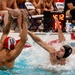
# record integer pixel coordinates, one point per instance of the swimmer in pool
(9, 50)
(56, 57)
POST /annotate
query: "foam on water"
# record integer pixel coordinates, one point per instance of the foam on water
(38, 57)
(33, 60)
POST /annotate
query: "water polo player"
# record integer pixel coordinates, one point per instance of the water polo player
(56, 56)
(9, 49)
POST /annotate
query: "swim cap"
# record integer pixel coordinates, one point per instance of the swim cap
(9, 43)
(68, 51)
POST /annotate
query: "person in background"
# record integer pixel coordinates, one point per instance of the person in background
(70, 9)
(4, 14)
(35, 5)
(45, 5)
(20, 4)
(33, 12)
(11, 6)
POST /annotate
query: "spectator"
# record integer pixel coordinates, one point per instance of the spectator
(12, 7)
(33, 12)
(20, 3)
(35, 5)
(45, 5)
(4, 14)
(70, 9)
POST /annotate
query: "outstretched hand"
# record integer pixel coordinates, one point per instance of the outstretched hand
(57, 23)
(24, 23)
(23, 31)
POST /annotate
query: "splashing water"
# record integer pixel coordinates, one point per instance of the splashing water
(36, 61)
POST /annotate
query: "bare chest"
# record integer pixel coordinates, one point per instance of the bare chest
(4, 59)
(3, 56)
(10, 3)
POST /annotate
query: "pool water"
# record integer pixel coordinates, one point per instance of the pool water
(35, 61)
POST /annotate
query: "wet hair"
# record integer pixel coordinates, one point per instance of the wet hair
(68, 51)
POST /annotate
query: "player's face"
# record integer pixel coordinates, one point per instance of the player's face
(61, 52)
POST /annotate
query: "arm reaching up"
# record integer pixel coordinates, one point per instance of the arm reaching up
(6, 29)
(41, 42)
(19, 47)
(60, 33)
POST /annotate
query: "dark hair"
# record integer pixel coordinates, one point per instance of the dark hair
(68, 51)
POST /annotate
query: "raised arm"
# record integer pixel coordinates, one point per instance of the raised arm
(4, 5)
(41, 43)
(37, 5)
(60, 33)
(6, 30)
(18, 48)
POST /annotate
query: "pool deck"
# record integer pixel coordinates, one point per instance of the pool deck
(49, 36)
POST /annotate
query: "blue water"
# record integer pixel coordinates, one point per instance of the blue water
(23, 67)
(35, 61)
